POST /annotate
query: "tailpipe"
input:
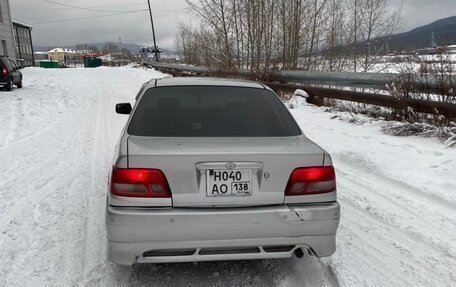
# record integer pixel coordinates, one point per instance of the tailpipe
(299, 253)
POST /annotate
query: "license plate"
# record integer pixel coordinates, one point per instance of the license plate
(221, 182)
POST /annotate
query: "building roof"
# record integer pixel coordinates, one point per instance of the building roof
(21, 24)
(62, 50)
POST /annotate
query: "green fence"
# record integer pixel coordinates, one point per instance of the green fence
(49, 64)
(92, 62)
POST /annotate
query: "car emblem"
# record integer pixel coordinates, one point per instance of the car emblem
(230, 165)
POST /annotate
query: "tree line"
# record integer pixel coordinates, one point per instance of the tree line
(260, 35)
(107, 48)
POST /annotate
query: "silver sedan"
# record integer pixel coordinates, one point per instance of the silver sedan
(214, 169)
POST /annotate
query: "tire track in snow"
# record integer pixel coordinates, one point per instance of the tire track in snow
(63, 175)
(98, 136)
(381, 253)
(356, 162)
(107, 128)
(30, 229)
(92, 138)
(14, 124)
(6, 116)
(411, 210)
(381, 243)
(411, 224)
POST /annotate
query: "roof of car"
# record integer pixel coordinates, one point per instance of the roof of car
(203, 81)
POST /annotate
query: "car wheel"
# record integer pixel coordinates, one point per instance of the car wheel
(9, 85)
(19, 85)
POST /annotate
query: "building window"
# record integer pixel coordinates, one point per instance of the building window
(5, 48)
(1, 14)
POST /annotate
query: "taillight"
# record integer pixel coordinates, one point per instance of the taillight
(311, 180)
(4, 71)
(139, 183)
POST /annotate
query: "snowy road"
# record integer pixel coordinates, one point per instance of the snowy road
(398, 196)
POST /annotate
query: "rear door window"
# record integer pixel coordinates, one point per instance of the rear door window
(3, 63)
(7, 64)
(208, 111)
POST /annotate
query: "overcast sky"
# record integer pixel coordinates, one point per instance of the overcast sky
(135, 27)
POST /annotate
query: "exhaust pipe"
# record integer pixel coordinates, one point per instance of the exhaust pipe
(299, 253)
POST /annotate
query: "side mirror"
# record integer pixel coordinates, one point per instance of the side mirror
(123, 108)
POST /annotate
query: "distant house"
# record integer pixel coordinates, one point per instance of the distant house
(63, 55)
(24, 45)
(6, 31)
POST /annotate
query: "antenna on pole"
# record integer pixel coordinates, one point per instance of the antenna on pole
(121, 51)
(153, 32)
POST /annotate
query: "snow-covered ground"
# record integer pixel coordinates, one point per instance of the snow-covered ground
(57, 134)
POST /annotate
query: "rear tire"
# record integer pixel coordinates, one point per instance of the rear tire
(19, 85)
(9, 86)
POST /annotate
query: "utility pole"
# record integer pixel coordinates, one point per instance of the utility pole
(121, 51)
(153, 31)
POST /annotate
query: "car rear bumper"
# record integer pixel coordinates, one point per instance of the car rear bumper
(204, 234)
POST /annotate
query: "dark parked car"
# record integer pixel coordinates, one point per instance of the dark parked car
(9, 74)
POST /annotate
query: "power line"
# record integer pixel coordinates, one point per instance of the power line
(68, 8)
(172, 10)
(85, 18)
(84, 8)
(94, 8)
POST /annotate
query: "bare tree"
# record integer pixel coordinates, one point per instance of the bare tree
(215, 13)
(259, 35)
(371, 19)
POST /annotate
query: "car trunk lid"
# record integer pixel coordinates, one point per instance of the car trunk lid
(197, 168)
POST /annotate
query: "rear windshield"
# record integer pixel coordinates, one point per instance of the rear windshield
(200, 111)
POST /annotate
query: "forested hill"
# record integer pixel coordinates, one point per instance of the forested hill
(444, 33)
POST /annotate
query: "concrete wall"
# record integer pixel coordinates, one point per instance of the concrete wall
(6, 31)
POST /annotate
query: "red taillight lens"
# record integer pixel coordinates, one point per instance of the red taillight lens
(139, 183)
(311, 180)
(4, 71)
